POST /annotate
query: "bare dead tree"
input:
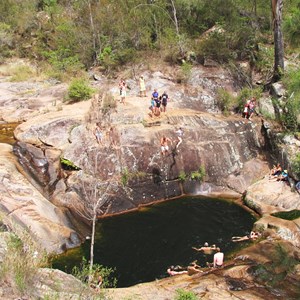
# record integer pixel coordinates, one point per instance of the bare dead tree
(95, 194)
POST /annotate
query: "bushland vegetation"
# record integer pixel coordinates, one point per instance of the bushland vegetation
(65, 38)
(70, 35)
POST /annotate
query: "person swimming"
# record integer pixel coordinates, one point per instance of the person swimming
(252, 236)
(206, 249)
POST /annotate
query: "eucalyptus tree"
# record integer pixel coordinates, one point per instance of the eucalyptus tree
(277, 7)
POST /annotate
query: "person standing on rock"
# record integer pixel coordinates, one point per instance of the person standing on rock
(179, 133)
(155, 97)
(164, 101)
(98, 134)
(142, 87)
(164, 145)
(121, 84)
(123, 92)
(252, 105)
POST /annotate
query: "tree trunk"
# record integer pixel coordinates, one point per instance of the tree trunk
(92, 242)
(93, 29)
(277, 6)
(177, 27)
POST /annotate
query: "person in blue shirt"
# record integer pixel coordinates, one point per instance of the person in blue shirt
(155, 97)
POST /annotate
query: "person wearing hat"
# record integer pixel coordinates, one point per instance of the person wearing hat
(142, 87)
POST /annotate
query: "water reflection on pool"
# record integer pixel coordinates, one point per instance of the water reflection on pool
(141, 245)
(7, 132)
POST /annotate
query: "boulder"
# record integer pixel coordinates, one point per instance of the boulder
(267, 197)
(24, 206)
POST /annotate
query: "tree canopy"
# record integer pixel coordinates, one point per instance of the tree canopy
(76, 33)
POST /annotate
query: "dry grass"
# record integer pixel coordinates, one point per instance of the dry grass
(18, 70)
(21, 261)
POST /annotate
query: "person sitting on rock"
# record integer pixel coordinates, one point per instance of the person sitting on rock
(297, 187)
(193, 268)
(252, 236)
(218, 259)
(275, 171)
(283, 176)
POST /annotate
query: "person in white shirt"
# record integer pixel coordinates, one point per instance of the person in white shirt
(218, 259)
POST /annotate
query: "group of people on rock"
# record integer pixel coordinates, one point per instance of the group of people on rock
(249, 108)
(218, 258)
(278, 174)
(158, 103)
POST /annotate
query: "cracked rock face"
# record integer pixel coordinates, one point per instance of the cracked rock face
(23, 205)
(228, 148)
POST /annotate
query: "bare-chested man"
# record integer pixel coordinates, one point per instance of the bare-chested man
(164, 145)
(206, 249)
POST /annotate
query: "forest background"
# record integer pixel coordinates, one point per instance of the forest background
(65, 38)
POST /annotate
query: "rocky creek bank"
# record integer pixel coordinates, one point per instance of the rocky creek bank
(41, 196)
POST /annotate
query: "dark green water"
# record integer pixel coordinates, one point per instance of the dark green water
(142, 245)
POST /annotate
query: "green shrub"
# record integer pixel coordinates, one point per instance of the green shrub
(295, 165)
(291, 27)
(108, 59)
(214, 46)
(80, 89)
(291, 107)
(64, 63)
(182, 176)
(244, 95)
(199, 174)
(21, 262)
(288, 215)
(6, 40)
(84, 274)
(125, 177)
(224, 101)
(264, 60)
(181, 294)
(68, 165)
(185, 72)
